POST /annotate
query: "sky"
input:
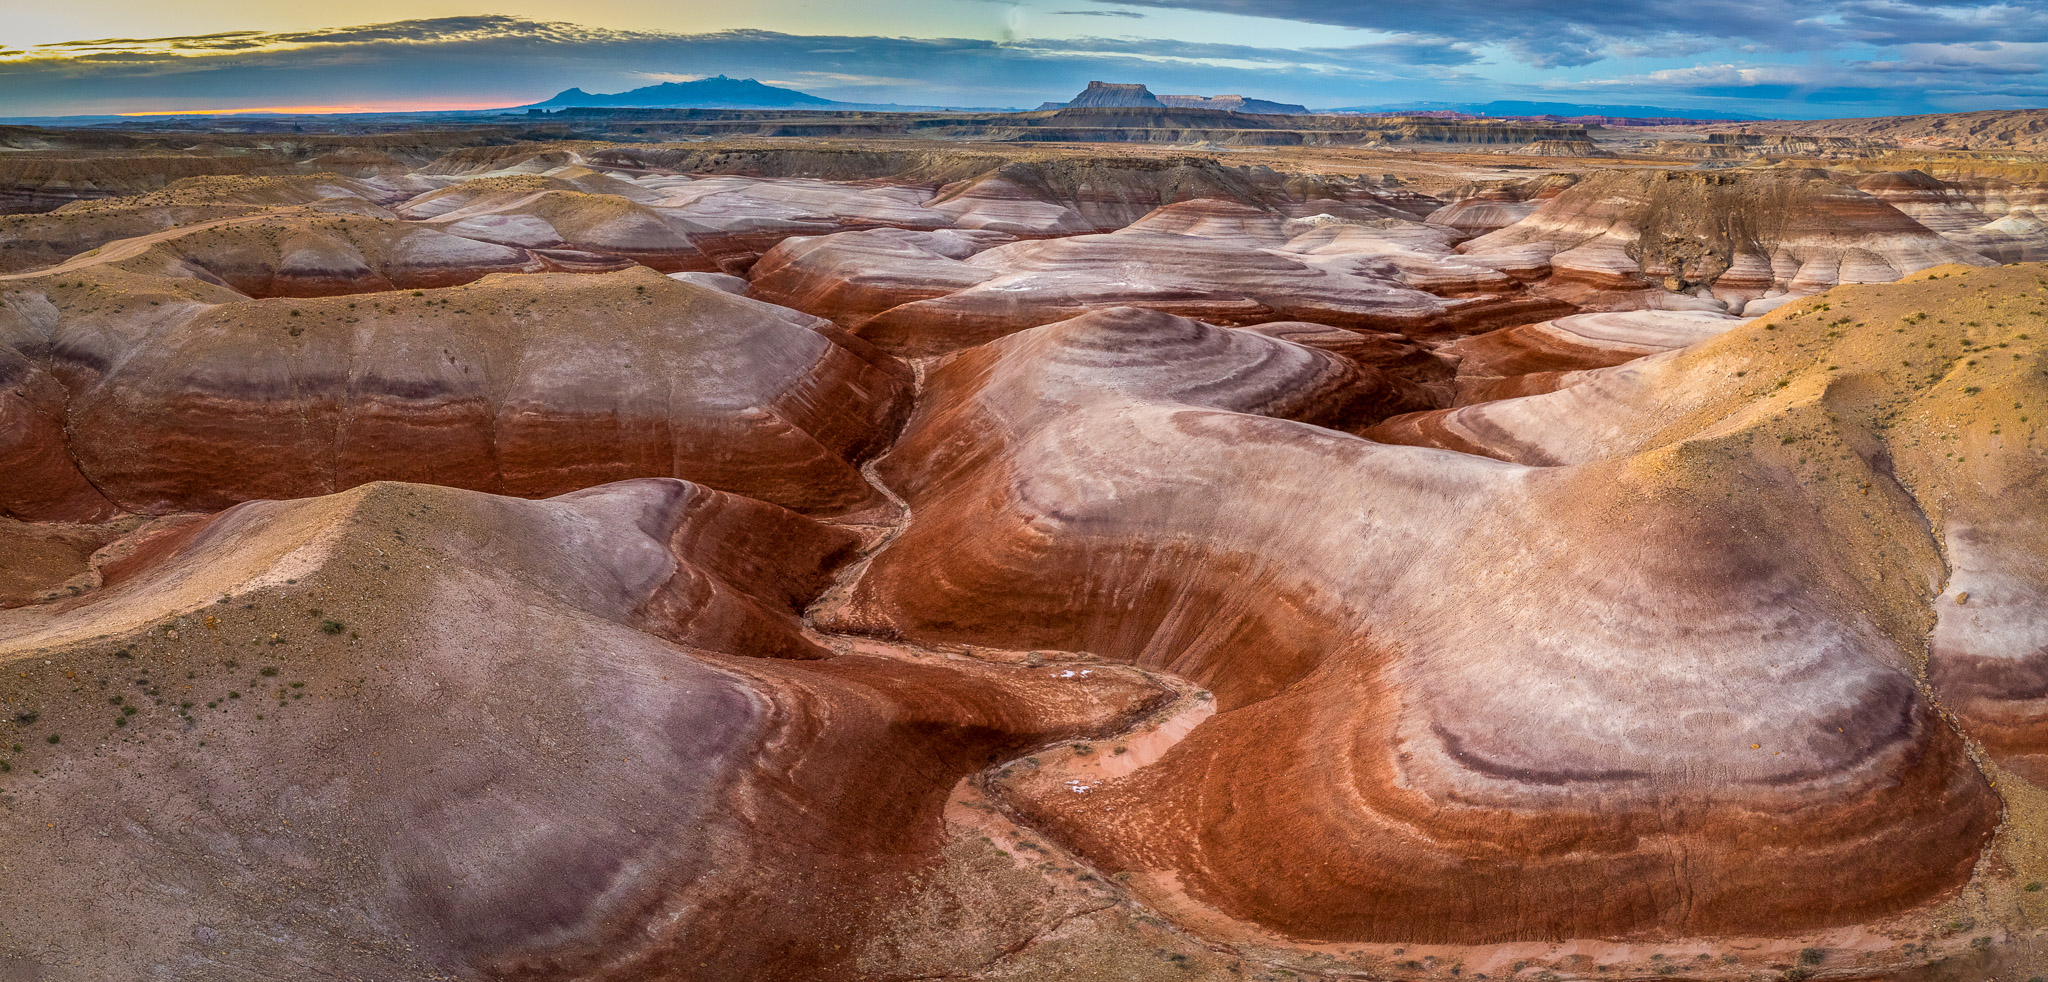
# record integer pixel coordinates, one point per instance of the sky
(1811, 59)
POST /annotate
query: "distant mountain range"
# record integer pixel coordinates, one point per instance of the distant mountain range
(1513, 108)
(716, 92)
(720, 92)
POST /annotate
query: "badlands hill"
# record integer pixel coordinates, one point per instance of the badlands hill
(2021, 130)
(819, 561)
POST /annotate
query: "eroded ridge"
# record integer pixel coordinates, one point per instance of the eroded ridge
(146, 394)
(1414, 652)
(449, 556)
(531, 738)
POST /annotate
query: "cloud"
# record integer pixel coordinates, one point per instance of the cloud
(1931, 77)
(506, 61)
(1450, 51)
(1098, 13)
(1548, 34)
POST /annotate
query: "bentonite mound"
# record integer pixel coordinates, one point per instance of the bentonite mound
(1350, 265)
(409, 731)
(1738, 239)
(1245, 573)
(135, 396)
(48, 238)
(1778, 735)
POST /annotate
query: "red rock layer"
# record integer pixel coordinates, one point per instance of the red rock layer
(1728, 239)
(488, 766)
(529, 385)
(922, 294)
(1451, 691)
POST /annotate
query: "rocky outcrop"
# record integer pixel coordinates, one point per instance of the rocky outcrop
(1740, 241)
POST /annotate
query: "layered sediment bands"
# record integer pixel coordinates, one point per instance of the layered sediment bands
(525, 385)
(1898, 395)
(1532, 358)
(487, 755)
(674, 222)
(1735, 240)
(855, 275)
(43, 481)
(1060, 193)
(1998, 220)
(30, 241)
(40, 182)
(1609, 672)
(1039, 282)
(1330, 262)
(556, 221)
(304, 256)
(1490, 208)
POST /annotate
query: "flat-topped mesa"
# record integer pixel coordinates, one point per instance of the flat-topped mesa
(530, 385)
(1559, 677)
(1233, 103)
(574, 738)
(1131, 94)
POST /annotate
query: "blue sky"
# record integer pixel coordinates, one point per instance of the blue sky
(1821, 58)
